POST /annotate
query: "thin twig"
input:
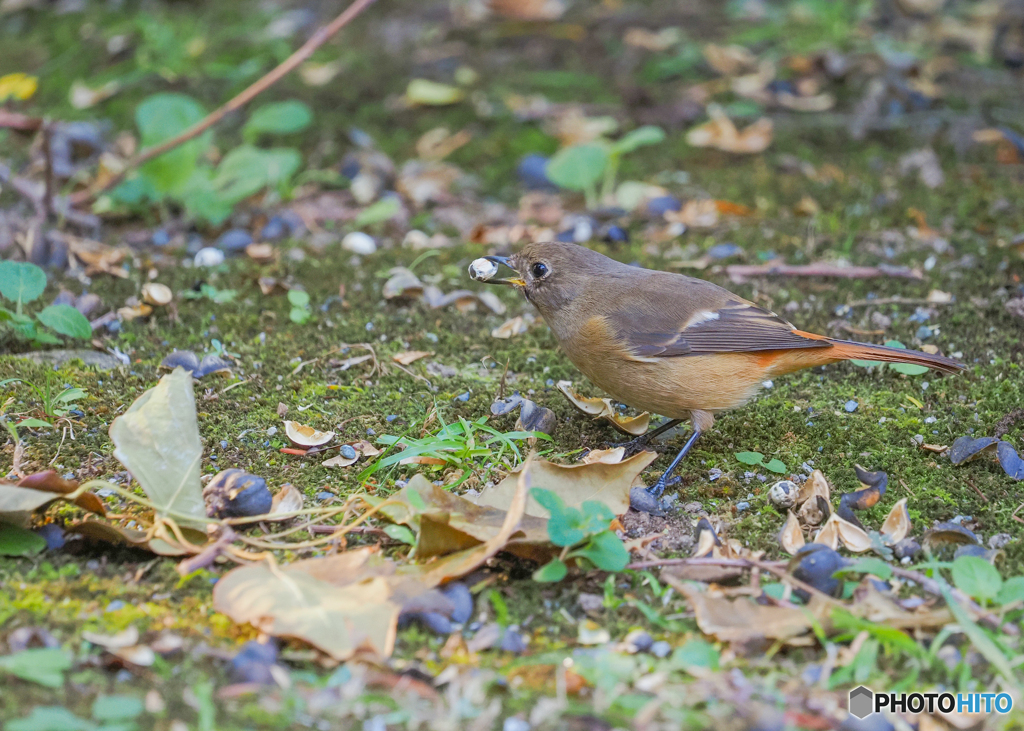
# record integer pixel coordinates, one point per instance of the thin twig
(283, 69)
(48, 202)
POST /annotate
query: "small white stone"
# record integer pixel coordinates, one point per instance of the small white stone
(209, 257)
(783, 494)
(416, 239)
(359, 243)
(482, 269)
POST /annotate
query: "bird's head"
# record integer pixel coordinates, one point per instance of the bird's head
(550, 274)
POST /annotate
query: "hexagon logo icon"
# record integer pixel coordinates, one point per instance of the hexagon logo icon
(861, 702)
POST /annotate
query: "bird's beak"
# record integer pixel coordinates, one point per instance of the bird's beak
(516, 281)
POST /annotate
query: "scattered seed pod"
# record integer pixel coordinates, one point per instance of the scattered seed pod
(977, 551)
(791, 538)
(815, 511)
(907, 548)
(944, 538)
(815, 564)
(877, 479)
(482, 270)
(157, 294)
(500, 407)
(897, 523)
(964, 449)
(190, 362)
(836, 531)
(533, 417)
(1010, 461)
(783, 494)
(306, 436)
(234, 493)
(707, 538)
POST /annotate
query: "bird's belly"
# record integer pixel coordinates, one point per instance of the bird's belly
(675, 386)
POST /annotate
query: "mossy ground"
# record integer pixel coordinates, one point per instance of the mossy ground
(799, 419)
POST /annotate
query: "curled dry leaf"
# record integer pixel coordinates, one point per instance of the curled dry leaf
(792, 537)
(897, 523)
(721, 133)
(696, 213)
(601, 408)
(410, 356)
(729, 60)
(306, 436)
(402, 284)
(165, 545)
(606, 483)
(17, 501)
(367, 449)
(157, 294)
(341, 461)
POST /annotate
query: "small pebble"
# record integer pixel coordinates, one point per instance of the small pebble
(532, 173)
(741, 506)
(463, 397)
(662, 204)
(115, 606)
(638, 641)
(851, 406)
(325, 495)
(274, 229)
(253, 662)
(661, 648)
(435, 622)
(348, 451)
(724, 251)
(160, 237)
(359, 243)
(616, 235)
(512, 723)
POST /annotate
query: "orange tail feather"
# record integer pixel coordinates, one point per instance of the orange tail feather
(849, 350)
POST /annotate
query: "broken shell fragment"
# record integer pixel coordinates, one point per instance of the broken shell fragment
(783, 494)
(157, 294)
(792, 537)
(815, 511)
(897, 523)
(306, 436)
(707, 538)
(1010, 461)
(482, 269)
(816, 484)
(944, 538)
(601, 408)
(878, 480)
(907, 548)
(288, 500)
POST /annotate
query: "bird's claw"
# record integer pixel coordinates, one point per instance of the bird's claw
(633, 446)
(648, 499)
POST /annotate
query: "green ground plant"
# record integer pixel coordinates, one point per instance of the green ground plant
(23, 283)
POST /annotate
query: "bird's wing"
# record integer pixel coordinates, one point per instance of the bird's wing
(705, 326)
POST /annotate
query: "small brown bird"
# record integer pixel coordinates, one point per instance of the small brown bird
(667, 343)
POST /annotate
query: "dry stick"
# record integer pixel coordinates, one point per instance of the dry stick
(283, 69)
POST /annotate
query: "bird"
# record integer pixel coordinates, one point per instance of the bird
(667, 343)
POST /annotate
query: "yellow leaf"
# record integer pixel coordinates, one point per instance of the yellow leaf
(17, 86)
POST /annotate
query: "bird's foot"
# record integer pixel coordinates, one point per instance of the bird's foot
(649, 500)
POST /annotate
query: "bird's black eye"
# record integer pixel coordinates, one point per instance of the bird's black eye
(539, 270)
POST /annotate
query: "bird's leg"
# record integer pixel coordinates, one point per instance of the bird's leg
(635, 445)
(648, 500)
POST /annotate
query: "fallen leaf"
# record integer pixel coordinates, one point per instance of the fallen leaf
(410, 356)
(439, 143)
(575, 484)
(721, 133)
(445, 523)
(424, 92)
(17, 501)
(157, 440)
(161, 546)
(729, 60)
(340, 461)
(743, 619)
(607, 456)
(696, 213)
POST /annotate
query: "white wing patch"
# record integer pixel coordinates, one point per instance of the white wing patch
(700, 317)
